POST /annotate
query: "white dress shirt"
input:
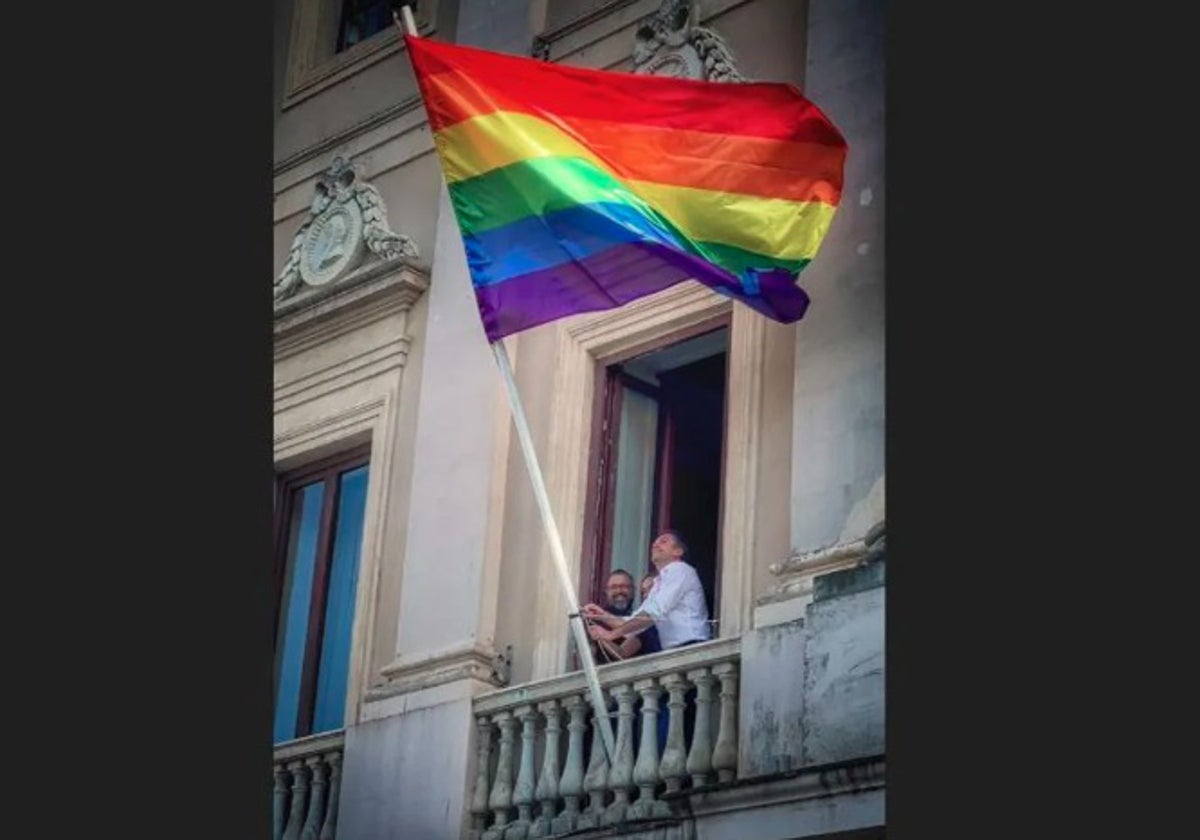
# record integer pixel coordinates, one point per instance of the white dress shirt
(676, 603)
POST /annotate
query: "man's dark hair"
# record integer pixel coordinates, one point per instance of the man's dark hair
(679, 542)
(616, 572)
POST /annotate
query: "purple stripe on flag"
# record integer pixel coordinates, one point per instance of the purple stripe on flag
(618, 275)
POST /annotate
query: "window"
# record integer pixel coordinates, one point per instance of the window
(658, 463)
(319, 538)
(360, 19)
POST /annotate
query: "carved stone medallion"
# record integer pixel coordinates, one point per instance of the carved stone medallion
(333, 243)
(680, 63)
(347, 223)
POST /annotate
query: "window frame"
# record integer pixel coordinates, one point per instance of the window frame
(313, 62)
(328, 470)
(603, 452)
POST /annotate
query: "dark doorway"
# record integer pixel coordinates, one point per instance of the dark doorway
(693, 398)
(659, 459)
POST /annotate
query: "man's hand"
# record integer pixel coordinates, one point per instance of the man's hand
(597, 613)
(600, 633)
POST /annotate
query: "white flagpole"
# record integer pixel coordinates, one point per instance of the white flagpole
(557, 552)
(556, 547)
(410, 23)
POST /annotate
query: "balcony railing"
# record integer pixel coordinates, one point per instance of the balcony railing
(308, 776)
(522, 728)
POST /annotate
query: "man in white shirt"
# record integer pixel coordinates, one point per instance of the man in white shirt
(675, 605)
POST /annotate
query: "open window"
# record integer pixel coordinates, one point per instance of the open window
(658, 455)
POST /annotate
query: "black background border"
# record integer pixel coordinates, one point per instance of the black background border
(139, 422)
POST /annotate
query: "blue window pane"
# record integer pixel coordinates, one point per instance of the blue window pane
(334, 671)
(297, 595)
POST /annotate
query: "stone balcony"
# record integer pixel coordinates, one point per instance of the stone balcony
(307, 784)
(777, 733)
(628, 790)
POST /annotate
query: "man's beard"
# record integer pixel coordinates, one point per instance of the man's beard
(618, 608)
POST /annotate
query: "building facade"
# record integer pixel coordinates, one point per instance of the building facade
(425, 680)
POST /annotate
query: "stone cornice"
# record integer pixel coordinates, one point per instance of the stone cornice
(821, 558)
(820, 781)
(405, 676)
(396, 282)
(795, 574)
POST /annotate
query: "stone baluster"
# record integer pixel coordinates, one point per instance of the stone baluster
(316, 805)
(329, 829)
(620, 776)
(595, 780)
(523, 793)
(699, 761)
(500, 800)
(547, 786)
(672, 768)
(299, 801)
(570, 786)
(479, 804)
(281, 795)
(645, 772)
(724, 758)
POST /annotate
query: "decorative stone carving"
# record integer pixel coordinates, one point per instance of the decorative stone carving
(502, 666)
(671, 42)
(347, 221)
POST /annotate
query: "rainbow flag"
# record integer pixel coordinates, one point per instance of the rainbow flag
(580, 190)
